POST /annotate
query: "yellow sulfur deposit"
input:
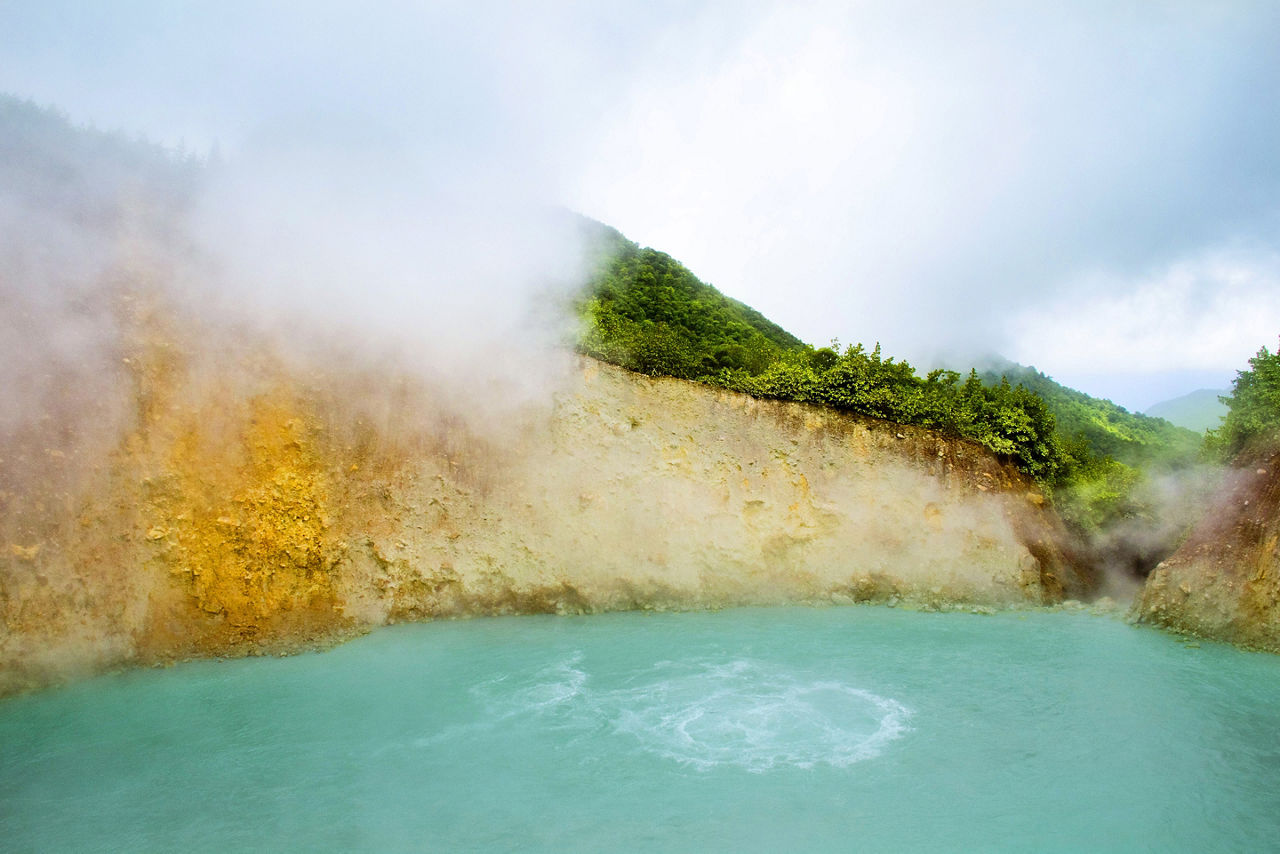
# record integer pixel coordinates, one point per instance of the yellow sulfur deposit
(244, 522)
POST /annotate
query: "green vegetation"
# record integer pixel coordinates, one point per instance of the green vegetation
(1253, 408)
(1108, 452)
(1101, 428)
(1007, 419)
(647, 312)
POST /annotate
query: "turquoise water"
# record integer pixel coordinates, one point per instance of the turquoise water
(751, 730)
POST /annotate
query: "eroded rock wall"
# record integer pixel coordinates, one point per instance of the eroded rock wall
(1224, 581)
(249, 503)
(636, 492)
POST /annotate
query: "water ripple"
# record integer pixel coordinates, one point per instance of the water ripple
(705, 714)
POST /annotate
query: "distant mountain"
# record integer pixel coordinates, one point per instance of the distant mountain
(1200, 411)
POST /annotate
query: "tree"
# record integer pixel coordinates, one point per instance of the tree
(1253, 407)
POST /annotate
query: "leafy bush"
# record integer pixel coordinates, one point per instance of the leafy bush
(1253, 407)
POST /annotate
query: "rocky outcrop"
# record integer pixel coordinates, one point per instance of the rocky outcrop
(1224, 581)
(247, 503)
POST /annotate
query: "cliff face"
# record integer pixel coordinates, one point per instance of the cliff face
(229, 504)
(1224, 581)
(636, 492)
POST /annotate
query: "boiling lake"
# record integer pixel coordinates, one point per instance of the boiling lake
(802, 729)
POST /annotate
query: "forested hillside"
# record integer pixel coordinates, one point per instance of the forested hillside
(1107, 429)
(50, 165)
(647, 312)
(1110, 454)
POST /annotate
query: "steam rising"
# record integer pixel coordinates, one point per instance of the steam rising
(192, 353)
(1168, 505)
(341, 262)
(461, 283)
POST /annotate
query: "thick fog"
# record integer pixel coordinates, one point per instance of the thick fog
(1089, 188)
(466, 280)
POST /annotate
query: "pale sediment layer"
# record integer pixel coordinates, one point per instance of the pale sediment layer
(1224, 581)
(247, 505)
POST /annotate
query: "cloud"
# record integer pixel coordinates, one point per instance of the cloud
(916, 173)
(1210, 312)
(910, 172)
(1202, 317)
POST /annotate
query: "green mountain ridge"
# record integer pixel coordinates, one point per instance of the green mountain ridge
(648, 312)
(1200, 410)
(645, 311)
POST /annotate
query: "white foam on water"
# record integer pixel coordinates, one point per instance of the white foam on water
(706, 714)
(753, 716)
(547, 690)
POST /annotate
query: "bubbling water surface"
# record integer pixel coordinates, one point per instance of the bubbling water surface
(705, 713)
(749, 730)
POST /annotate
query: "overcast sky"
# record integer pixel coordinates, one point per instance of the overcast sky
(1091, 188)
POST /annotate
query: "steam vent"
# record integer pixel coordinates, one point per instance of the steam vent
(1224, 581)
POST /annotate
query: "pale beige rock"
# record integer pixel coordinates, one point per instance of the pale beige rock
(634, 491)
